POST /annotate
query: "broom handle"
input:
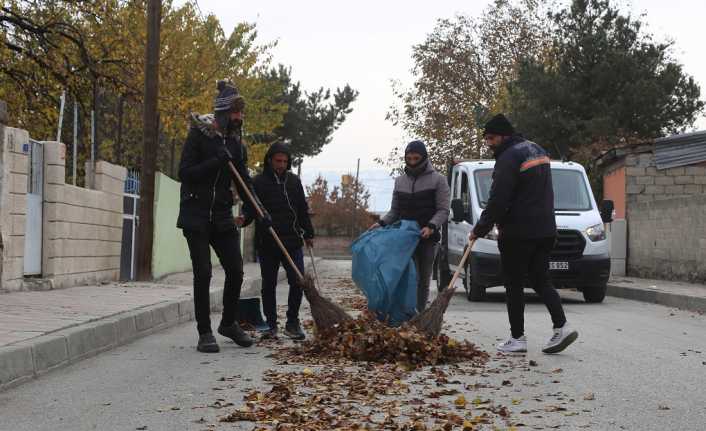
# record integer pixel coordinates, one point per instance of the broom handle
(461, 264)
(313, 266)
(261, 213)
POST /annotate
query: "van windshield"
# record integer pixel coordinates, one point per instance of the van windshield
(570, 189)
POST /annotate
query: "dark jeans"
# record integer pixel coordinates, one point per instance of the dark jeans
(227, 247)
(270, 261)
(423, 258)
(527, 262)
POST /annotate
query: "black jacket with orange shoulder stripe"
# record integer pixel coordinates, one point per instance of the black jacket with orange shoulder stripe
(521, 200)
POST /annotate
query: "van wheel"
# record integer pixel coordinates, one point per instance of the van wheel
(474, 291)
(594, 294)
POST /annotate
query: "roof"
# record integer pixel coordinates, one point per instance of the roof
(619, 153)
(566, 164)
(680, 150)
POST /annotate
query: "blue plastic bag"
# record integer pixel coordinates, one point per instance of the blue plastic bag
(384, 270)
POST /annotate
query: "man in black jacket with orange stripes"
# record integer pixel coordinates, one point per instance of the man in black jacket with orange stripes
(521, 204)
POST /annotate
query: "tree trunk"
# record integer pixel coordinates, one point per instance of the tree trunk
(150, 137)
(119, 138)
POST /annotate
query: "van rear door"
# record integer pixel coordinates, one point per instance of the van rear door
(458, 231)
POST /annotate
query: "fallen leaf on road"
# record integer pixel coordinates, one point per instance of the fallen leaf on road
(552, 408)
(557, 370)
(533, 363)
(589, 396)
(460, 401)
(663, 407)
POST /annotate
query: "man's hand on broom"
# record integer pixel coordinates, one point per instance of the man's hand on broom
(472, 237)
(426, 232)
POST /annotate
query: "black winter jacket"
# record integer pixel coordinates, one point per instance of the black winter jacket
(521, 200)
(284, 199)
(206, 195)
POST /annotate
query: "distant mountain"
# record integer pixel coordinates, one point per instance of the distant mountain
(378, 181)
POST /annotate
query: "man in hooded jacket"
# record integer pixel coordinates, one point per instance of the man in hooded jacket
(421, 194)
(206, 213)
(283, 197)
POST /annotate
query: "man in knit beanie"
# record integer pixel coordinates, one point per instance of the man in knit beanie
(521, 204)
(206, 210)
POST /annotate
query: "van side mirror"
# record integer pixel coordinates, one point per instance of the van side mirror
(457, 211)
(606, 208)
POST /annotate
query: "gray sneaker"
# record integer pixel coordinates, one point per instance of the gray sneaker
(561, 339)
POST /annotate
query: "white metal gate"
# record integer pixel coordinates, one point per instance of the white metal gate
(33, 227)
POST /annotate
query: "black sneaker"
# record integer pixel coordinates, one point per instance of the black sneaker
(270, 333)
(207, 343)
(236, 333)
(294, 331)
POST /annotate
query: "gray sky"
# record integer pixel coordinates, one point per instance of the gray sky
(367, 43)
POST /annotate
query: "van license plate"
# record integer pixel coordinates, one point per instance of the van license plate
(558, 266)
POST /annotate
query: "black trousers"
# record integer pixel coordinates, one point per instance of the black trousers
(226, 244)
(526, 262)
(270, 261)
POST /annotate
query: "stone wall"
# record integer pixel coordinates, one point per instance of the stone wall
(667, 238)
(14, 166)
(646, 183)
(82, 227)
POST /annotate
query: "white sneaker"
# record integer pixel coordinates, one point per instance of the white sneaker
(513, 345)
(561, 339)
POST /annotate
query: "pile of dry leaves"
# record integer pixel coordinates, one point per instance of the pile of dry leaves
(367, 339)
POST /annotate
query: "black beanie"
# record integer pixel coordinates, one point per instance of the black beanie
(499, 125)
(417, 147)
(228, 99)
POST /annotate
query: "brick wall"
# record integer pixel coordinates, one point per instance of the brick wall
(13, 206)
(646, 183)
(667, 239)
(82, 227)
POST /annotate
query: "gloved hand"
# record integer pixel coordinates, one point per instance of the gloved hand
(265, 221)
(224, 156)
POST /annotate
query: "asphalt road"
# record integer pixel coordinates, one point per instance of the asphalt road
(635, 366)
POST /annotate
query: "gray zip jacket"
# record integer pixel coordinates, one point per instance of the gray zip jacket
(423, 198)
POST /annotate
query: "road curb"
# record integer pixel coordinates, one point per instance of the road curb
(23, 361)
(684, 302)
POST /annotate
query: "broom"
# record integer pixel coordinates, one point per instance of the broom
(430, 320)
(326, 314)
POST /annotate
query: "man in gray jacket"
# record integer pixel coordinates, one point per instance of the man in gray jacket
(421, 194)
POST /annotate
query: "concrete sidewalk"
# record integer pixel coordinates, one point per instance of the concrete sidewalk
(42, 331)
(686, 296)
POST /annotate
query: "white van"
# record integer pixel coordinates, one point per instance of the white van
(581, 256)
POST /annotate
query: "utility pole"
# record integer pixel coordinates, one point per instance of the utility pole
(149, 135)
